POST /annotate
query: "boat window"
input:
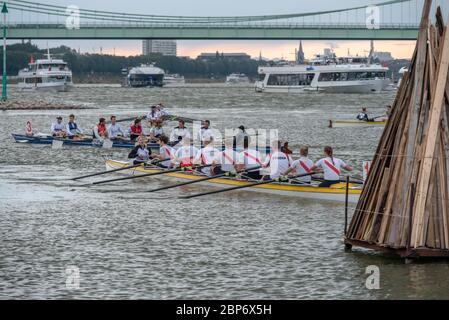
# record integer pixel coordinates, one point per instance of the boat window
(262, 77)
(300, 79)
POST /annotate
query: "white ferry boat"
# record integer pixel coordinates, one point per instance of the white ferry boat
(237, 78)
(324, 74)
(146, 75)
(173, 80)
(46, 74)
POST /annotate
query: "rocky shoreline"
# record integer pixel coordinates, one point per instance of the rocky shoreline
(38, 105)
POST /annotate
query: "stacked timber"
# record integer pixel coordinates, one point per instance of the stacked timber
(404, 206)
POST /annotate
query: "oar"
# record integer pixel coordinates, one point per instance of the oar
(177, 118)
(143, 175)
(198, 180)
(128, 119)
(107, 171)
(341, 180)
(241, 187)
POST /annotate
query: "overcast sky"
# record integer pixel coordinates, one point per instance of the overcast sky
(270, 49)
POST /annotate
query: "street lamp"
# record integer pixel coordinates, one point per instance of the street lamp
(5, 78)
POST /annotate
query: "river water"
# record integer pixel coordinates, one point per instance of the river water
(126, 243)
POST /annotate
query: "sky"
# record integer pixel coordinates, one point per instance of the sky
(192, 48)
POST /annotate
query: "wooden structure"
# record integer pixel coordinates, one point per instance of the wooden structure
(404, 205)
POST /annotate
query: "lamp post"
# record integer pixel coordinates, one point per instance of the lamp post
(5, 78)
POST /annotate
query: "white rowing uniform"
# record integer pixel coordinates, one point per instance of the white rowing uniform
(227, 159)
(143, 154)
(57, 127)
(154, 115)
(303, 166)
(279, 162)
(249, 158)
(331, 167)
(179, 132)
(185, 155)
(73, 129)
(203, 133)
(115, 130)
(206, 156)
(166, 152)
(156, 131)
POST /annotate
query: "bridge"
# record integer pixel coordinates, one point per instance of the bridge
(387, 20)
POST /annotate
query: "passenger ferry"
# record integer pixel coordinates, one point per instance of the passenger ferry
(146, 75)
(173, 80)
(325, 74)
(237, 78)
(46, 74)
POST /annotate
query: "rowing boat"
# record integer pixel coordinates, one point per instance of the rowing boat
(351, 123)
(48, 139)
(334, 193)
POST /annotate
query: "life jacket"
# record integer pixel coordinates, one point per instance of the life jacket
(101, 127)
(73, 126)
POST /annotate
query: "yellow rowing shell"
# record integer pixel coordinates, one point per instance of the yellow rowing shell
(335, 193)
(349, 123)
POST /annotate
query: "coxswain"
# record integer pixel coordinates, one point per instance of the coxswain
(331, 167)
(135, 130)
(301, 166)
(166, 152)
(226, 159)
(115, 131)
(156, 130)
(363, 115)
(100, 131)
(238, 138)
(141, 153)
(249, 159)
(205, 131)
(180, 132)
(278, 161)
(206, 155)
(58, 129)
(185, 154)
(73, 130)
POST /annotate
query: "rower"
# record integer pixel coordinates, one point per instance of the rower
(156, 130)
(73, 131)
(205, 131)
(115, 131)
(165, 152)
(278, 161)
(100, 131)
(141, 153)
(135, 130)
(238, 139)
(58, 128)
(180, 132)
(185, 154)
(226, 159)
(206, 155)
(249, 159)
(301, 166)
(285, 148)
(162, 111)
(363, 116)
(153, 115)
(331, 167)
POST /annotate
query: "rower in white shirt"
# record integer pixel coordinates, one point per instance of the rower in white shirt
(184, 155)
(206, 155)
(278, 161)
(166, 152)
(249, 159)
(205, 131)
(58, 128)
(180, 132)
(225, 160)
(301, 166)
(115, 131)
(153, 115)
(156, 130)
(73, 130)
(331, 167)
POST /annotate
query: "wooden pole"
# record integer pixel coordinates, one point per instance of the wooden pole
(346, 204)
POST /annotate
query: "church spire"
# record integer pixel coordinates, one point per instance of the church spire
(300, 55)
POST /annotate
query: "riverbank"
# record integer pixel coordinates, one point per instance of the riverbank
(38, 105)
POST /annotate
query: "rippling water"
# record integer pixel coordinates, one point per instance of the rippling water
(131, 244)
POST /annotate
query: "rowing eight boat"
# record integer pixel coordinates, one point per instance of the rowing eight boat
(350, 123)
(335, 193)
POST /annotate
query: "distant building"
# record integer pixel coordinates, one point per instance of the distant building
(165, 47)
(382, 56)
(327, 52)
(300, 54)
(230, 56)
